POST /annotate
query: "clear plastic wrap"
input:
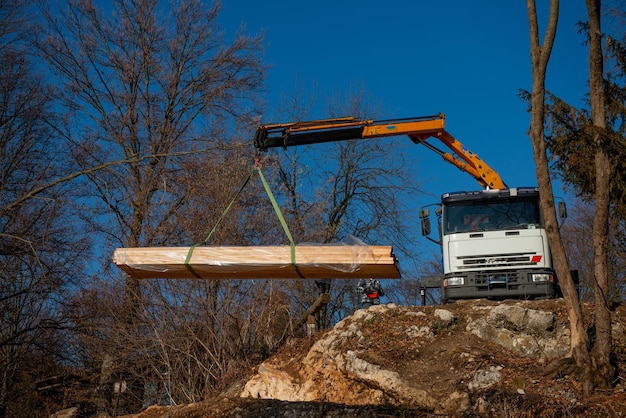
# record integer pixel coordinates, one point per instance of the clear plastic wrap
(349, 259)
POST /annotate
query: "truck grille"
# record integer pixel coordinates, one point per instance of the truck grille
(496, 261)
(509, 277)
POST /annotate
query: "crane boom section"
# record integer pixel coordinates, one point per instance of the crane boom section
(463, 159)
(340, 129)
(417, 129)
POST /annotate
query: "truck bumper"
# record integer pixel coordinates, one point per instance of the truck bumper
(521, 291)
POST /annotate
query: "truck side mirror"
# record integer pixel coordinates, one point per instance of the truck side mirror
(562, 210)
(426, 226)
(424, 213)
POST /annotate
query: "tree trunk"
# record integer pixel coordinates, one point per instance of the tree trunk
(539, 58)
(603, 345)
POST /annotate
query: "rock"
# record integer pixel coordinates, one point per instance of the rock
(415, 331)
(270, 383)
(485, 378)
(454, 405)
(445, 316)
(66, 413)
(529, 332)
(524, 319)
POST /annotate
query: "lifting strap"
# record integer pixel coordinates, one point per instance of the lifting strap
(257, 169)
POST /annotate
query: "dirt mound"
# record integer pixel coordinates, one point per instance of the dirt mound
(476, 358)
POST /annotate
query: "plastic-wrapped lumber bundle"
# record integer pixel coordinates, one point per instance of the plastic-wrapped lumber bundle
(328, 261)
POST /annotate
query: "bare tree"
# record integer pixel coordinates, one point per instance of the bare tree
(540, 54)
(40, 249)
(577, 238)
(577, 234)
(604, 371)
(152, 86)
(147, 88)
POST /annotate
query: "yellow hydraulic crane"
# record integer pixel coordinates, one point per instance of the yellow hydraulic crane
(419, 130)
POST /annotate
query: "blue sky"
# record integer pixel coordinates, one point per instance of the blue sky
(465, 59)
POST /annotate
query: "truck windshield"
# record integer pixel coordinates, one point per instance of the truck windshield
(489, 215)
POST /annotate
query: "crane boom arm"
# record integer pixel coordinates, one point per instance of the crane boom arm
(417, 129)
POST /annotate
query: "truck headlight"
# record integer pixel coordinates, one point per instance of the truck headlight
(541, 277)
(454, 281)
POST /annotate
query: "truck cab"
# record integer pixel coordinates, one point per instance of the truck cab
(494, 245)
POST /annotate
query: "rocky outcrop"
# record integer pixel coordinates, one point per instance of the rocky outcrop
(348, 365)
(530, 332)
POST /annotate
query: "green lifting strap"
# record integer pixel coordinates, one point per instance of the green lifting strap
(257, 169)
(281, 218)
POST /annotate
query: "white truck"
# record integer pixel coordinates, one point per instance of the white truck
(493, 245)
(493, 241)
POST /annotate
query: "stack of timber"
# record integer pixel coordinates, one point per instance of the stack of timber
(267, 262)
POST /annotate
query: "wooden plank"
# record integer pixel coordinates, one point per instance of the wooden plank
(267, 262)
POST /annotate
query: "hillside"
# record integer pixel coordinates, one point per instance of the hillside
(474, 358)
